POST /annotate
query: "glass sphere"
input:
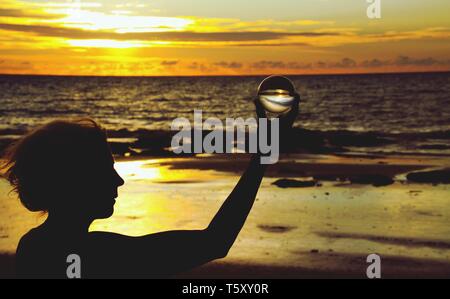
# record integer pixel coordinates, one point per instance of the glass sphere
(276, 94)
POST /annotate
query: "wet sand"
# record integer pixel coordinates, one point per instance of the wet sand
(296, 229)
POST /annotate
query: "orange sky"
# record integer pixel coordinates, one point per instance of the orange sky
(211, 37)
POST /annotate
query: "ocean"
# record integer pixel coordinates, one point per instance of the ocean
(406, 113)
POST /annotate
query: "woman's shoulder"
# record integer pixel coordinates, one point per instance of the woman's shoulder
(38, 256)
(35, 245)
(27, 254)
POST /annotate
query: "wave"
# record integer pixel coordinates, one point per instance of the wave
(312, 141)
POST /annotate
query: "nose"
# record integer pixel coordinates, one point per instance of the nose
(119, 180)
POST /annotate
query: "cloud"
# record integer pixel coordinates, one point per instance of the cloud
(348, 63)
(229, 65)
(402, 60)
(405, 60)
(345, 63)
(74, 4)
(17, 13)
(272, 44)
(186, 36)
(211, 67)
(14, 66)
(235, 22)
(29, 14)
(279, 66)
(95, 20)
(267, 65)
(169, 62)
(165, 67)
(372, 63)
(424, 33)
(203, 67)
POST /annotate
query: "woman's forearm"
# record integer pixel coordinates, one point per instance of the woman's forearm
(228, 222)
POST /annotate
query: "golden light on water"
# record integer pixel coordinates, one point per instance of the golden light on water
(139, 170)
(158, 171)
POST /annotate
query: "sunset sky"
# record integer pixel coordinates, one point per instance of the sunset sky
(226, 37)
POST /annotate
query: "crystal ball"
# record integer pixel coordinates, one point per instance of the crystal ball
(276, 94)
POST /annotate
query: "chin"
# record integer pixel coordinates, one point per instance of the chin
(103, 208)
(105, 214)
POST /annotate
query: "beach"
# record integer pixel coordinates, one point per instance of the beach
(315, 215)
(366, 170)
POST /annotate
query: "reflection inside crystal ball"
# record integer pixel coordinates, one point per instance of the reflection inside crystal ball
(276, 101)
(276, 94)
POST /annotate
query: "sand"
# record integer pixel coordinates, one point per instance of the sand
(296, 229)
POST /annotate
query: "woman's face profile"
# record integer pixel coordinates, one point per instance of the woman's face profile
(93, 187)
(102, 185)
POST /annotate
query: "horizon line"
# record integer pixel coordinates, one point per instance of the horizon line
(228, 75)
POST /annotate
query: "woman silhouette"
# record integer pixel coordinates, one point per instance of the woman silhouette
(66, 169)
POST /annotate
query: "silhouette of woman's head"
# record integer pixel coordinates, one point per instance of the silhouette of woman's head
(65, 168)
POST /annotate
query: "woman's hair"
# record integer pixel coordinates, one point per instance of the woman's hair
(42, 164)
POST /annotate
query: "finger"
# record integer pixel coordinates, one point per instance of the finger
(294, 109)
(289, 118)
(295, 106)
(260, 111)
(296, 102)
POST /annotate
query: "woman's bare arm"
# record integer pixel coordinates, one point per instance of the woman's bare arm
(172, 252)
(229, 220)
